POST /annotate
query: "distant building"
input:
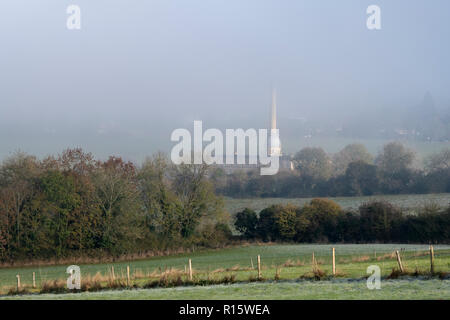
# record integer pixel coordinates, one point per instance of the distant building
(285, 161)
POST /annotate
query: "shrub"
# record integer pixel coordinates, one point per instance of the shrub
(347, 228)
(378, 219)
(317, 221)
(266, 228)
(246, 222)
(277, 222)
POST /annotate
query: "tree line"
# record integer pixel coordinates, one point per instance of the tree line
(323, 220)
(351, 172)
(75, 204)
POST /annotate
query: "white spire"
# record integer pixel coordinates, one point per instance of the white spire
(274, 109)
(275, 144)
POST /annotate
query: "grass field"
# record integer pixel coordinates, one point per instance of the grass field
(288, 262)
(411, 289)
(409, 202)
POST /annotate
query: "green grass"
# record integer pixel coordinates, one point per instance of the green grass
(408, 202)
(352, 262)
(412, 289)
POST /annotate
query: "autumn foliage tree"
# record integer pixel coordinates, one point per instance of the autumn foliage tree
(75, 204)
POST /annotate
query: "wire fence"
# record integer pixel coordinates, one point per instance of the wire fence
(350, 261)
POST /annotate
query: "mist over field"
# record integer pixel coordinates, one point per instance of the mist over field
(103, 197)
(138, 70)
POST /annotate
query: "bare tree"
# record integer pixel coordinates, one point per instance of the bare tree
(438, 161)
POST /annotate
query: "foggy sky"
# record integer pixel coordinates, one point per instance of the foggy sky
(139, 69)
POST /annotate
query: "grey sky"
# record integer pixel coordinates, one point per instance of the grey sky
(139, 69)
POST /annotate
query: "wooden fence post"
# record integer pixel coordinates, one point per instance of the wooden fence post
(112, 273)
(128, 276)
(251, 261)
(190, 269)
(431, 259)
(399, 260)
(334, 262)
(34, 279)
(313, 263)
(259, 266)
(18, 282)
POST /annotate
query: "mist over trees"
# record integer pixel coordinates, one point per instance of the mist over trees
(350, 154)
(313, 163)
(439, 161)
(353, 171)
(424, 121)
